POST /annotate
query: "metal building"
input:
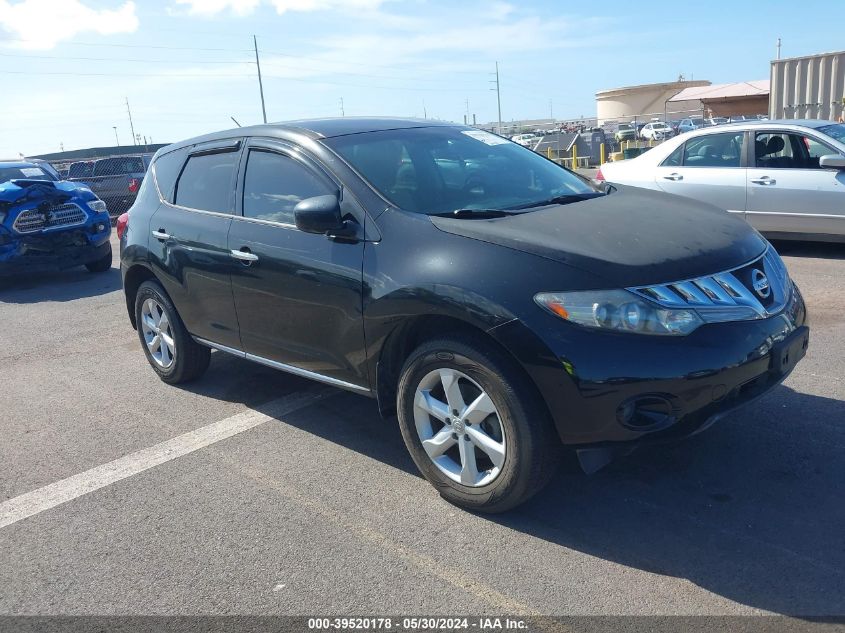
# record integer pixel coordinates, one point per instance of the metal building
(811, 87)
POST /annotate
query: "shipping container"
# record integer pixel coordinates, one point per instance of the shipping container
(810, 87)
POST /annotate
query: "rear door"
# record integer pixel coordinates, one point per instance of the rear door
(298, 295)
(709, 168)
(787, 190)
(188, 241)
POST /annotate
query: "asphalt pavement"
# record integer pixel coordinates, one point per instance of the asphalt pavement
(254, 492)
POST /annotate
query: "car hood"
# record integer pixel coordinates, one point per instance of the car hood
(631, 237)
(33, 192)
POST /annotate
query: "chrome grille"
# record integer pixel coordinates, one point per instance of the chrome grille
(62, 215)
(725, 296)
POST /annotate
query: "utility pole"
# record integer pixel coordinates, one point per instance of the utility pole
(778, 48)
(342, 111)
(116, 140)
(131, 126)
(498, 97)
(260, 85)
(551, 111)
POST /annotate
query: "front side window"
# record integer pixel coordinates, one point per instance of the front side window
(714, 150)
(443, 169)
(789, 151)
(275, 183)
(206, 182)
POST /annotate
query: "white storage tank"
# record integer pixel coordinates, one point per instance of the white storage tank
(811, 87)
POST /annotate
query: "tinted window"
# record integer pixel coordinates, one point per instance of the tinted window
(714, 150)
(275, 183)
(80, 170)
(167, 168)
(118, 166)
(206, 182)
(441, 169)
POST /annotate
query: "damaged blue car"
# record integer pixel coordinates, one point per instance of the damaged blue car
(48, 224)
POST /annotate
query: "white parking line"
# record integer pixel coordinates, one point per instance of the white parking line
(51, 495)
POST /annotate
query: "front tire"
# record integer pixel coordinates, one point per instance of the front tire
(474, 425)
(101, 265)
(171, 351)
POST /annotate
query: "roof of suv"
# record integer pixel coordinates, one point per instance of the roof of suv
(315, 128)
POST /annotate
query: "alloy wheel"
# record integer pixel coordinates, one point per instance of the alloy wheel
(459, 427)
(158, 333)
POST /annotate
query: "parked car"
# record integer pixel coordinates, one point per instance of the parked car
(786, 178)
(116, 180)
(691, 124)
(526, 140)
(656, 131)
(47, 224)
(498, 315)
(718, 120)
(625, 132)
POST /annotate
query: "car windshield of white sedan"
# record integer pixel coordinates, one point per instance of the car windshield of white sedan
(835, 131)
(438, 170)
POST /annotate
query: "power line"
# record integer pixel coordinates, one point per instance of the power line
(122, 59)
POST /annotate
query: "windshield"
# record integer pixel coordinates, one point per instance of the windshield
(30, 172)
(441, 169)
(835, 131)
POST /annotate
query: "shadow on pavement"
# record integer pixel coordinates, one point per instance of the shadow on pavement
(65, 285)
(751, 510)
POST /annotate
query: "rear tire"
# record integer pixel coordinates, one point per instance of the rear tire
(171, 351)
(495, 452)
(101, 265)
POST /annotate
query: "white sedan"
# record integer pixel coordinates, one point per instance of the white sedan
(786, 178)
(656, 131)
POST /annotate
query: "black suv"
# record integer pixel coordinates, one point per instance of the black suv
(498, 304)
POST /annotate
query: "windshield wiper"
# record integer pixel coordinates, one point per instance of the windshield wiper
(474, 213)
(563, 199)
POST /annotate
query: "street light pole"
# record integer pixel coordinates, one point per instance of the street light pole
(116, 140)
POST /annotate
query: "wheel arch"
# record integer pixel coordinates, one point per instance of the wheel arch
(412, 332)
(132, 280)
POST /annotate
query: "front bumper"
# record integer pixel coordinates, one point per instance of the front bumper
(587, 377)
(52, 251)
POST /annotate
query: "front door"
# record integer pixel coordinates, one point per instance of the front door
(788, 192)
(707, 168)
(298, 295)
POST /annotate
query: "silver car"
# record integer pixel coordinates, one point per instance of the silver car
(786, 178)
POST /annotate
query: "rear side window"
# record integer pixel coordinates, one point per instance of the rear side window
(274, 184)
(80, 170)
(674, 159)
(167, 168)
(206, 182)
(714, 150)
(119, 166)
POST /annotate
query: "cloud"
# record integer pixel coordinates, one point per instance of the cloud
(245, 7)
(41, 24)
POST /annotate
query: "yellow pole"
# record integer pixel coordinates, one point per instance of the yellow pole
(574, 156)
(549, 152)
(601, 154)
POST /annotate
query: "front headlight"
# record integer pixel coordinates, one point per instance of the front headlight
(97, 206)
(618, 310)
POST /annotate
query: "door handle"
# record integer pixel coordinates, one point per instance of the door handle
(674, 177)
(763, 180)
(244, 255)
(161, 235)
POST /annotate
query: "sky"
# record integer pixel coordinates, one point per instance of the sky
(187, 67)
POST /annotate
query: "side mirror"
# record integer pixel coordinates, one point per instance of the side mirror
(320, 214)
(832, 161)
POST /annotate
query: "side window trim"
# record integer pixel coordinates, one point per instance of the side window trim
(288, 151)
(204, 150)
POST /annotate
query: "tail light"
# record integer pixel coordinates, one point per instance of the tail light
(122, 225)
(133, 185)
(599, 176)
